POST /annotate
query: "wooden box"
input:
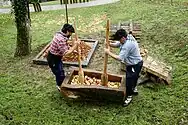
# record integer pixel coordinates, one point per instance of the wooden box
(41, 60)
(94, 92)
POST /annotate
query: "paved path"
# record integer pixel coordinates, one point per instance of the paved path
(75, 5)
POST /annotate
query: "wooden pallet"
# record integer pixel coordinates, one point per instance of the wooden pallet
(160, 70)
(134, 27)
(93, 92)
(155, 70)
(41, 60)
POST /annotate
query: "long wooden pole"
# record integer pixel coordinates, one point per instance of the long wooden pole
(66, 1)
(104, 77)
(80, 72)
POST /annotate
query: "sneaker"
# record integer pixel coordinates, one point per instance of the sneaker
(127, 101)
(58, 87)
(135, 91)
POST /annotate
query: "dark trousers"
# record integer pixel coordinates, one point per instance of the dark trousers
(56, 66)
(132, 75)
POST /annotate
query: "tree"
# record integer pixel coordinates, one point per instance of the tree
(23, 24)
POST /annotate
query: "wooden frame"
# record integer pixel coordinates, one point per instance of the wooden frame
(42, 61)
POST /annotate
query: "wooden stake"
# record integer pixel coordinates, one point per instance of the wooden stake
(80, 72)
(131, 26)
(104, 76)
(66, 2)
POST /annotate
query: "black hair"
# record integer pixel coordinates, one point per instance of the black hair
(119, 34)
(67, 27)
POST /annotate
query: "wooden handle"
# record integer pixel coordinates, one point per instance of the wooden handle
(75, 29)
(80, 72)
(78, 49)
(107, 46)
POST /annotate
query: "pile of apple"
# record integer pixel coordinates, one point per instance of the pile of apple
(93, 81)
(73, 57)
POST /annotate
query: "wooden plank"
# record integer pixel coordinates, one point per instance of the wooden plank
(37, 59)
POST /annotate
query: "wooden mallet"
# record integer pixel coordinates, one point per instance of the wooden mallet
(104, 76)
(80, 72)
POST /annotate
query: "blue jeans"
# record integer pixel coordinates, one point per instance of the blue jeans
(132, 75)
(56, 66)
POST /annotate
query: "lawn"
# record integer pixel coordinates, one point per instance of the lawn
(28, 95)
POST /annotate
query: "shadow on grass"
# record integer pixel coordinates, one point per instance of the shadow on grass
(154, 86)
(58, 98)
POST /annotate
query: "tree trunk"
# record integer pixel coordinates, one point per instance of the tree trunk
(22, 19)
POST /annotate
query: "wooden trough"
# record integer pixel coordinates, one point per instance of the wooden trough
(41, 59)
(93, 92)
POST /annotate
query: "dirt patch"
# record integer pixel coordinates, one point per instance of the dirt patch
(96, 62)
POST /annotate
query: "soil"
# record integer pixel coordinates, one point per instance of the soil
(96, 62)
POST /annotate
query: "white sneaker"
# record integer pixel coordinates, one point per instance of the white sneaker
(127, 101)
(58, 87)
(135, 91)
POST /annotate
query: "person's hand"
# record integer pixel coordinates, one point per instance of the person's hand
(75, 51)
(78, 41)
(107, 44)
(107, 51)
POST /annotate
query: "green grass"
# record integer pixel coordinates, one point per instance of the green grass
(28, 94)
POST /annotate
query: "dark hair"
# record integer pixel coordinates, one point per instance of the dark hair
(67, 27)
(119, 34)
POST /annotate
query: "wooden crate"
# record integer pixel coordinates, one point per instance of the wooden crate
(39, 59)
(93, 92)
(134, 27)
(157, 70)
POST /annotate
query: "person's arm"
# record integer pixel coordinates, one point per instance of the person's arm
(74, 47)
(122, 55)
(112, 54)
(114, 44)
